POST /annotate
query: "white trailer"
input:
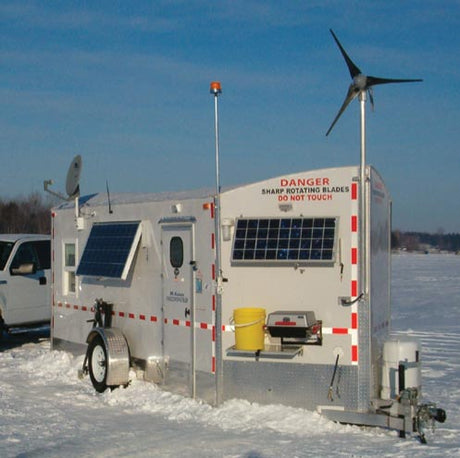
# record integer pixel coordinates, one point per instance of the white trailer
(288, 245)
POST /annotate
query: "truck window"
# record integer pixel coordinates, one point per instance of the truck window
(5, 251)
(36, 252)
(43, 249)
(26, 254)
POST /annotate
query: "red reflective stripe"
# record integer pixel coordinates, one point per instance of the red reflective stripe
(121, 314)
(212, 240)
(203, 326)
(213, 303)
(153, 318)
(354, 223)
(339, 330)
(354, 191)
(142, 317)
(213, 272)
(131, 315)
(354, 288)
(354, 320)
(354, 353)
(213, 364)
(354, 255)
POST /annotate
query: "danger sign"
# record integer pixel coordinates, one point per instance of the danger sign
(304, 189)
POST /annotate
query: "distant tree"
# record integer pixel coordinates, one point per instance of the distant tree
(25, 215)
(410, 241)
(395, 240)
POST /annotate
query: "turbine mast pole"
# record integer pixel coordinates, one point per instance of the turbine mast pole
(363, 233)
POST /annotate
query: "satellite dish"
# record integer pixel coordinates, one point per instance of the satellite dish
(72, 186)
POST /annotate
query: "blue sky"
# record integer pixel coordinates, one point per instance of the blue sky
(126, 85)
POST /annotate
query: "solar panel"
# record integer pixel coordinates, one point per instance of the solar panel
(284, 240)
(110, 249)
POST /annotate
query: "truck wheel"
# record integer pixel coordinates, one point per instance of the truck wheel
(98, 364)
(2, 328)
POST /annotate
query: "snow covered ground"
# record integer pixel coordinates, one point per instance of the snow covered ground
(45, 410)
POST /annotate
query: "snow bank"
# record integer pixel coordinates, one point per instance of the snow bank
(47, 411)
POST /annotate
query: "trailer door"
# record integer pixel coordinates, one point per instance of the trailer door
(178, 300)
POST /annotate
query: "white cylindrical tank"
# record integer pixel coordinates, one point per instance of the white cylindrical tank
(400, 351)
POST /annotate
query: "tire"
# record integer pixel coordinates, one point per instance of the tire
(97, 363)
(2, 328)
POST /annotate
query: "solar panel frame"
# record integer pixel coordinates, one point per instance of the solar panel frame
(285, 241)
(110, 249)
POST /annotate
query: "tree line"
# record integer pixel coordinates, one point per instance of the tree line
(31, 214)
(423, 241)
(26, 215)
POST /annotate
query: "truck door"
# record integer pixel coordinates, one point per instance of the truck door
(29, 290)
(178, 301)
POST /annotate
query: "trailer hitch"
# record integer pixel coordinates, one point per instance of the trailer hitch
(427, 415)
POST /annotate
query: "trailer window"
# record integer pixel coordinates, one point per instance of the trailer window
(284, 240)
(69, 268)
(110, 250)
(176, 252)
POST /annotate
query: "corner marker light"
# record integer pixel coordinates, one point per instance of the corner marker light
(215, 88)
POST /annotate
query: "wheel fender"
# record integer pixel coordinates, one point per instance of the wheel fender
(117, 350)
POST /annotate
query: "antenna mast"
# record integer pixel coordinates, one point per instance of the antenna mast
(216, 90)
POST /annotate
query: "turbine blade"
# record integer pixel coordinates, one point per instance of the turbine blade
(373, 80)
(354, 70)
(351, 94)
(370, 91)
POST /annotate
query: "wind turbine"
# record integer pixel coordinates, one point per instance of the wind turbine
(362, 84)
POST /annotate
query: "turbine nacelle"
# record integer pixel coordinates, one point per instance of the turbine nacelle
(360, 82)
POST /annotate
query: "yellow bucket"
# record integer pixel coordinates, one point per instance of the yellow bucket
(249, 328)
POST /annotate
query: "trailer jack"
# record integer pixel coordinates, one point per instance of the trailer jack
(427, 415)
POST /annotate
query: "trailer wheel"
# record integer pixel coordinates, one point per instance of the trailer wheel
(98, 364)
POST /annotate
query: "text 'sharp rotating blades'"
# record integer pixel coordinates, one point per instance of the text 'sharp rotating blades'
(360, 83)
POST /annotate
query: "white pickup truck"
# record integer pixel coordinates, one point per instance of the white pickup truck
(25, 277)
